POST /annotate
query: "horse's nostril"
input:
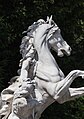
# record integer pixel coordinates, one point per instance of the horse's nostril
(70, 49)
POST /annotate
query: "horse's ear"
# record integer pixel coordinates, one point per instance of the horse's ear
(47, 18)
(50, 19)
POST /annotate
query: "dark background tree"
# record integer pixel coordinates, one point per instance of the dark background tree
(16, 16)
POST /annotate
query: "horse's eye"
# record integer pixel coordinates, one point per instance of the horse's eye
(7, 103)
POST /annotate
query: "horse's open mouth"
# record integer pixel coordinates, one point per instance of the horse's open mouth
(66, 53)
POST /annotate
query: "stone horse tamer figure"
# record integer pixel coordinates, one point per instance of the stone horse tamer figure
(41, 81)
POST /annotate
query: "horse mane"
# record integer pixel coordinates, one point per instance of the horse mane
(24, 45)
(25, 40)
(51, 32)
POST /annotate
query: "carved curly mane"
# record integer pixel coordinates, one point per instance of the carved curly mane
(24, 45)
(25, 40)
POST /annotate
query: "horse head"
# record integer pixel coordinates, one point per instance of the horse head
(52, 34)
(56, 41)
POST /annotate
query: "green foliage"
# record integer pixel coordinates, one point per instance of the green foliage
(16, 16)
(68, 110)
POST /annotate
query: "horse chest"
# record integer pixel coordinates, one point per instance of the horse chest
(48, 73)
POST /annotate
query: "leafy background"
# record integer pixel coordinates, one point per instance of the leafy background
(16, 16)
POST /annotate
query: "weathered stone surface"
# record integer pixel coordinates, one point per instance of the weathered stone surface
(40, 81)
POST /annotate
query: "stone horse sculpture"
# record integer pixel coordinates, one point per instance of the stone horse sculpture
(40, 81)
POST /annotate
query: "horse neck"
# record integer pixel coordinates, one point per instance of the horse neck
(47, 68)
(45, 58)
(44, 55)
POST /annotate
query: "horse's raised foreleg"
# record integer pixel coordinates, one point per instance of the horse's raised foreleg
(71, 94)
(64, 84)
(59, 89)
